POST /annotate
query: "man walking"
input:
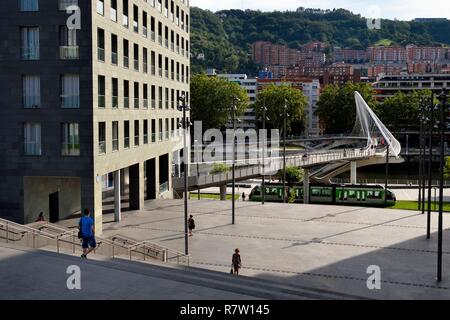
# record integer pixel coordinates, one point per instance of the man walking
(191, 224)
(86, 227)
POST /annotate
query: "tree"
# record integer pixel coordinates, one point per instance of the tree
(275, 98)
(401, 111)
(294, 175)
(212, 100)
(447, 168)
(219, 168)
(337, 108)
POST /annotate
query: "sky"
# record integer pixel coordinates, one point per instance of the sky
(389, 9)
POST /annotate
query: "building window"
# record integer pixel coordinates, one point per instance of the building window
(160, 33)
(135, 19)
(70, 91)
(136, 133)
(153, 97)
(114, 49)
(153, 63)
(32, 139)
(29, 43)
(68, 46)
(160, 97)
(102, 137)
(115, 136)
(125, 13)
(145, 131)
(126, 134)
(167, 129)
(126, 94)
(101, 45)
(166, 98)
(115, 93)
(28, 5)
(100, 7)
(136, 57)
(160, 63)
(152, 28)
(101, 91)
(31, 91)
(145, 95)
(70, 139)
(114, 10)
(153, 130)
(64, 4)
(136, 95)
(160, 125)
(145, 60)
(144, 24)
(126, 55)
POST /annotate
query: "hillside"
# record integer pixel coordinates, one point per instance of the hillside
(225, 37)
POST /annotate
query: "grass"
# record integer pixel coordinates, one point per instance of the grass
(413, 205)
(212, 196)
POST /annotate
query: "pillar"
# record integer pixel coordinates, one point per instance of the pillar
(223, 192)
(306, 186)
(151, 179)
(136, 186)
(117, 198)
(123, 182)
(91, 198)
(353, 177)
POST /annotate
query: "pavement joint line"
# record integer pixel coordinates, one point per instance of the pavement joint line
(327, 276)
(303, 242)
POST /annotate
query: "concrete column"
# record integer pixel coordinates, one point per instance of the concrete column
(151, 179)
(306, 187)
(123, 183)
(137, 186)
(91, 198)
(117, 198)
(223, 192)
(353, 177)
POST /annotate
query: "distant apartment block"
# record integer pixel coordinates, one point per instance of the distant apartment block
(349, 55)
(82, 105)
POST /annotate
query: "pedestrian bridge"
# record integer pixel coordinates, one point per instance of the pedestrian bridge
(369, 143)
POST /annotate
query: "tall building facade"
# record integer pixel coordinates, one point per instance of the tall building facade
(83, 102)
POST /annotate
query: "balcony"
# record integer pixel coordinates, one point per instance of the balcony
(71, 149)
(102, 147)
(69, 52)
(126, 62)
(115, 102)
(114, 58)
(29, 53)
(31, 102)
(145, 103)
(32, 149)
(136, 65)
(125, 21)
(64, 4)
(115, 145)
(113, 14)
(126, 102)
(101, 101)
(136, 103)
(70, 101)
(101, 54)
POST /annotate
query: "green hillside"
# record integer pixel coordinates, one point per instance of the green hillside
(225, 37)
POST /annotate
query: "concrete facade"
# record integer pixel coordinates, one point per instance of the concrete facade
(97, 151)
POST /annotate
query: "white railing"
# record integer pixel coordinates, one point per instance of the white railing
(69, 52)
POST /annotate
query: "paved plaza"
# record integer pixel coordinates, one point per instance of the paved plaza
(324, 247)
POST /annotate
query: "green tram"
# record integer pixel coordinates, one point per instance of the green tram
(337, 194)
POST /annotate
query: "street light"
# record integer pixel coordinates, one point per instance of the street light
(421, 149)
(185, 124)
(431, 124)
(285, 115)
(443, 126)
(234, 109)
(198, 168)
(263, 191)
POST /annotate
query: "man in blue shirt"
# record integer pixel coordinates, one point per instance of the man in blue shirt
(86, 227)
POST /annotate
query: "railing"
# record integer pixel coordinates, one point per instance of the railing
(31, 102)
(145, 103)
(153, 137)
(46, 235)
(113, 15)
(152, 36)
(135, 27)
(32, 148)
(160, 73)
(164, 187)
(126, 62)
(100, 7)
(125, 21)
(70, 101)
(160, 40)
(166, 42)
(63, 4)
(69, 52)
(136, 64)
(145, 67)
(27, 53)
(102, 147)
(153, 69)
(101, 54)
(114, 58)
(145, 138)
(136, 103)
(70, 149)
(126, 102)
(126, 142)
(115, 102)
(101, 101)
(153, 103)
(144, 32)
(115, 144)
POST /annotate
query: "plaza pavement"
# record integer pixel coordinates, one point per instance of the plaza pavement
(323, 247)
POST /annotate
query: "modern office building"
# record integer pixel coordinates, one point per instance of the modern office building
(79, 104)
(248, 120)
(389, 85)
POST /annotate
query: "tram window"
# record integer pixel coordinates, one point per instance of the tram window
(257, 192)
(345, 195)
(352, 194)
(377, 195)
(315, 192)
(369, 194)
(326, 193)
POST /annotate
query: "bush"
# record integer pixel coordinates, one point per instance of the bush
(294, 175)
(219, 168)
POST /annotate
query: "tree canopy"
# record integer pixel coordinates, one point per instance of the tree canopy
(337, 109)
(274, 98)
(212, 99)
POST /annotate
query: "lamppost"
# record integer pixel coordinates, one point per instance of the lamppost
(386, 183)
(430, 160)
(442, 124)
(198, 166)
(234, 109)
(285, 115)
(263, 191)
(185, 124)
(422, 120)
